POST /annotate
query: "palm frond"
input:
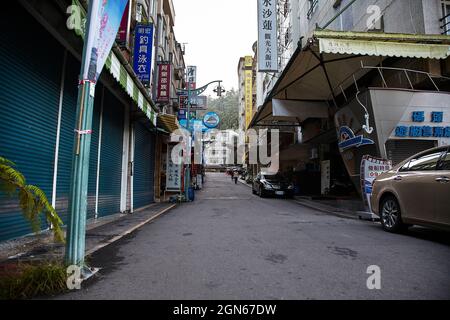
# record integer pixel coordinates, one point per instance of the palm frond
(32, 199)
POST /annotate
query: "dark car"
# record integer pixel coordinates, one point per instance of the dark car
(272, 185)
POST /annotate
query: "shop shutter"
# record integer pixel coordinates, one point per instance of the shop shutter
(144, 166)
(399, 150)
(30, 65)
(68, 123)
(111, 156)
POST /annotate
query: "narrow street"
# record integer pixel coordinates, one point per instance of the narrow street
(230, 244)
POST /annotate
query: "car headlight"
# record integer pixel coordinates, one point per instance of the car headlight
(291, 186)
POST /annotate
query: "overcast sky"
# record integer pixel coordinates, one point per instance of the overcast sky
(217, 33)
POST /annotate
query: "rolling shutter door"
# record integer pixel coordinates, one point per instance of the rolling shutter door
(30, 64)
(111, 156)
(399, 150)
(144, 163)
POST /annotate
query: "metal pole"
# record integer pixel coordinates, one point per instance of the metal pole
(80, 173)
(188, 145)
(76, 229)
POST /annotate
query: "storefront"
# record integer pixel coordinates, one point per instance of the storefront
(368, 100)
(37, 120)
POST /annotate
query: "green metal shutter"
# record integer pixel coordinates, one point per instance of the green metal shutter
(68, 124)
(144, 165)
(30, 65)
(111, 156)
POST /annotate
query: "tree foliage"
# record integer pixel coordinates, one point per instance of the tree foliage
(227, 107)
(32, 200)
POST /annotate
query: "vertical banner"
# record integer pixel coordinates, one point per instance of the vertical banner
(124, 28)
(142, 53)
(267, 36)
(163, 85)
(173, 174)
(102, 32)
(370, 169)
(192, 77)
(248, 89)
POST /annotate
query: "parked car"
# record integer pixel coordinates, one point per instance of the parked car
(415, 192)
(273, 185)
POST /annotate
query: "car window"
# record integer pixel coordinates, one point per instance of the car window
(426, 162)
(445, 162)
(405, 167)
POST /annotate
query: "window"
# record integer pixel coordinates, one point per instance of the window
(445, 21)
(445, 162)
(405, 167)
(312, 6)
(426, 162)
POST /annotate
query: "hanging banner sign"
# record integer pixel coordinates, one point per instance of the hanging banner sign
(267, 36)
(163, 86)
(370, 169)
(102, 32)
(173, 172)
(142, 54)
(197, 103)
(248, 89)
(124, 28)
(192, 77)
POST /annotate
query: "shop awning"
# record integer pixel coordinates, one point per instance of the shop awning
(327, 65)
(383, 44)
(168, 122)
(278, 111)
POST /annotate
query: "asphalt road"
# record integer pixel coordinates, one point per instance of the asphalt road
(230, 244)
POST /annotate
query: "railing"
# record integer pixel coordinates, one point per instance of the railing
(408, 74)
(445, 24)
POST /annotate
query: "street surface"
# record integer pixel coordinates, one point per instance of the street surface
(230, 244)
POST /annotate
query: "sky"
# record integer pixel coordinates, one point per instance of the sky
(217, 33)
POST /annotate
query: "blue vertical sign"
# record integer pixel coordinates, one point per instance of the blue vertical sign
(142, 57)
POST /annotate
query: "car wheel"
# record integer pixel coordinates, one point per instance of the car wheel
(390, 215)
(261, 192)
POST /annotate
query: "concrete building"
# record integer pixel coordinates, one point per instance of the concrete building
(363, 65)
(129, 127)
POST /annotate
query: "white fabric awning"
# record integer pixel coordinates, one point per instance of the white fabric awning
(332, 60)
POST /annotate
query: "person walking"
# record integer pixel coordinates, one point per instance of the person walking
(232, 175)
(235, 179)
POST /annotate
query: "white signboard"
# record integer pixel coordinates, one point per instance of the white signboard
(370, 169)
(267, 36)
(191, 76)
(173, 172)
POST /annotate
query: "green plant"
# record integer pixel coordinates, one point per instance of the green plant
(32, 200)
(29, 280)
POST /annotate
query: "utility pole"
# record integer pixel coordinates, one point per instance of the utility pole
(76, 230)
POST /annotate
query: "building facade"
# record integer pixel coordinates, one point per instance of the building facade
(37, 127)
(359, 69)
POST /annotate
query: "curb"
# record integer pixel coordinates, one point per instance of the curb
(321, 209)
(127, 232)
(245, 183)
